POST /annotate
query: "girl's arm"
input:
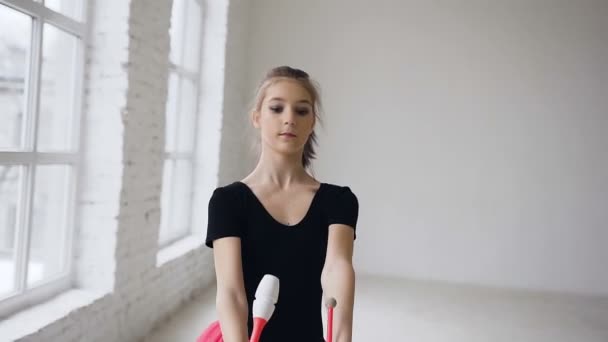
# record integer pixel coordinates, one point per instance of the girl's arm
(338, 279)
(231, 301)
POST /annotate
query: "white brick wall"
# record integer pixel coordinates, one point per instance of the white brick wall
(124, 293)
(237, 94)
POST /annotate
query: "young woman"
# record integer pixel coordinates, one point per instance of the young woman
(280, 220)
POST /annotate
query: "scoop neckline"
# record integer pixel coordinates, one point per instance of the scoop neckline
(267, 213)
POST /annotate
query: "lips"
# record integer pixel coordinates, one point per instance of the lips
(288, 135)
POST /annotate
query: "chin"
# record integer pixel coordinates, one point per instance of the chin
(287, 150)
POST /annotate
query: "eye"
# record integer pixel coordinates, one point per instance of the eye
(276, 109)
(302, 112)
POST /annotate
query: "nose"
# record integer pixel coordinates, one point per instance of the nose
(290, 117)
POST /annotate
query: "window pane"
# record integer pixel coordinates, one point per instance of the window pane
(71, 8)
(186, 116)
(15, 34)
(176, 32)
(176, 199)
(165, 201)
(48, 237)
(171, 116)
(192, 36)
(10, 185)
(57, 90)
(180, 126)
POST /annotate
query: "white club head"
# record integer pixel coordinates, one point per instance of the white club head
(266, 296)
(268, 289)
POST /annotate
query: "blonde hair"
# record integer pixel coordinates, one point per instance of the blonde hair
(285, 72)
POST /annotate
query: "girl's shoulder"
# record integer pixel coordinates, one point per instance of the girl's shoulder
(336, 188)
(233, 188)
(230, 194)
(338, 192)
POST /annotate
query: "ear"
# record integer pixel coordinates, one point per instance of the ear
(314, 123)
(255, 118)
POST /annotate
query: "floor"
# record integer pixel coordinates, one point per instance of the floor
(405, 310)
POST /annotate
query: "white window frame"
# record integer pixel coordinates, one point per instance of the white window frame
(29, 157)
(195, 77)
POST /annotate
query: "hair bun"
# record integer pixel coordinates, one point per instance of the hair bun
(287, 71)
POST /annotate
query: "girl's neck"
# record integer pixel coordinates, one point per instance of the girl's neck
(278, 170)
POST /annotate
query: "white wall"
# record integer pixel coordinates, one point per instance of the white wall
(123, 289)
(234, 120)
(473, 133)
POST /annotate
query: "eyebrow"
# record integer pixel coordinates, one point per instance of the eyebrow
(281, 99)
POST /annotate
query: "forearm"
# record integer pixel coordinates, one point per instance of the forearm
(232, 312)
(339, 283)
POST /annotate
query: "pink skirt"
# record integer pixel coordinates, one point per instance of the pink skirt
(213, 333)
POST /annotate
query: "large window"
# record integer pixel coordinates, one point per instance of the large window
(181, 120)
(41, 59)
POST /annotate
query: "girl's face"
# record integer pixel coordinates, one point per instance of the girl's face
(286, 117)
